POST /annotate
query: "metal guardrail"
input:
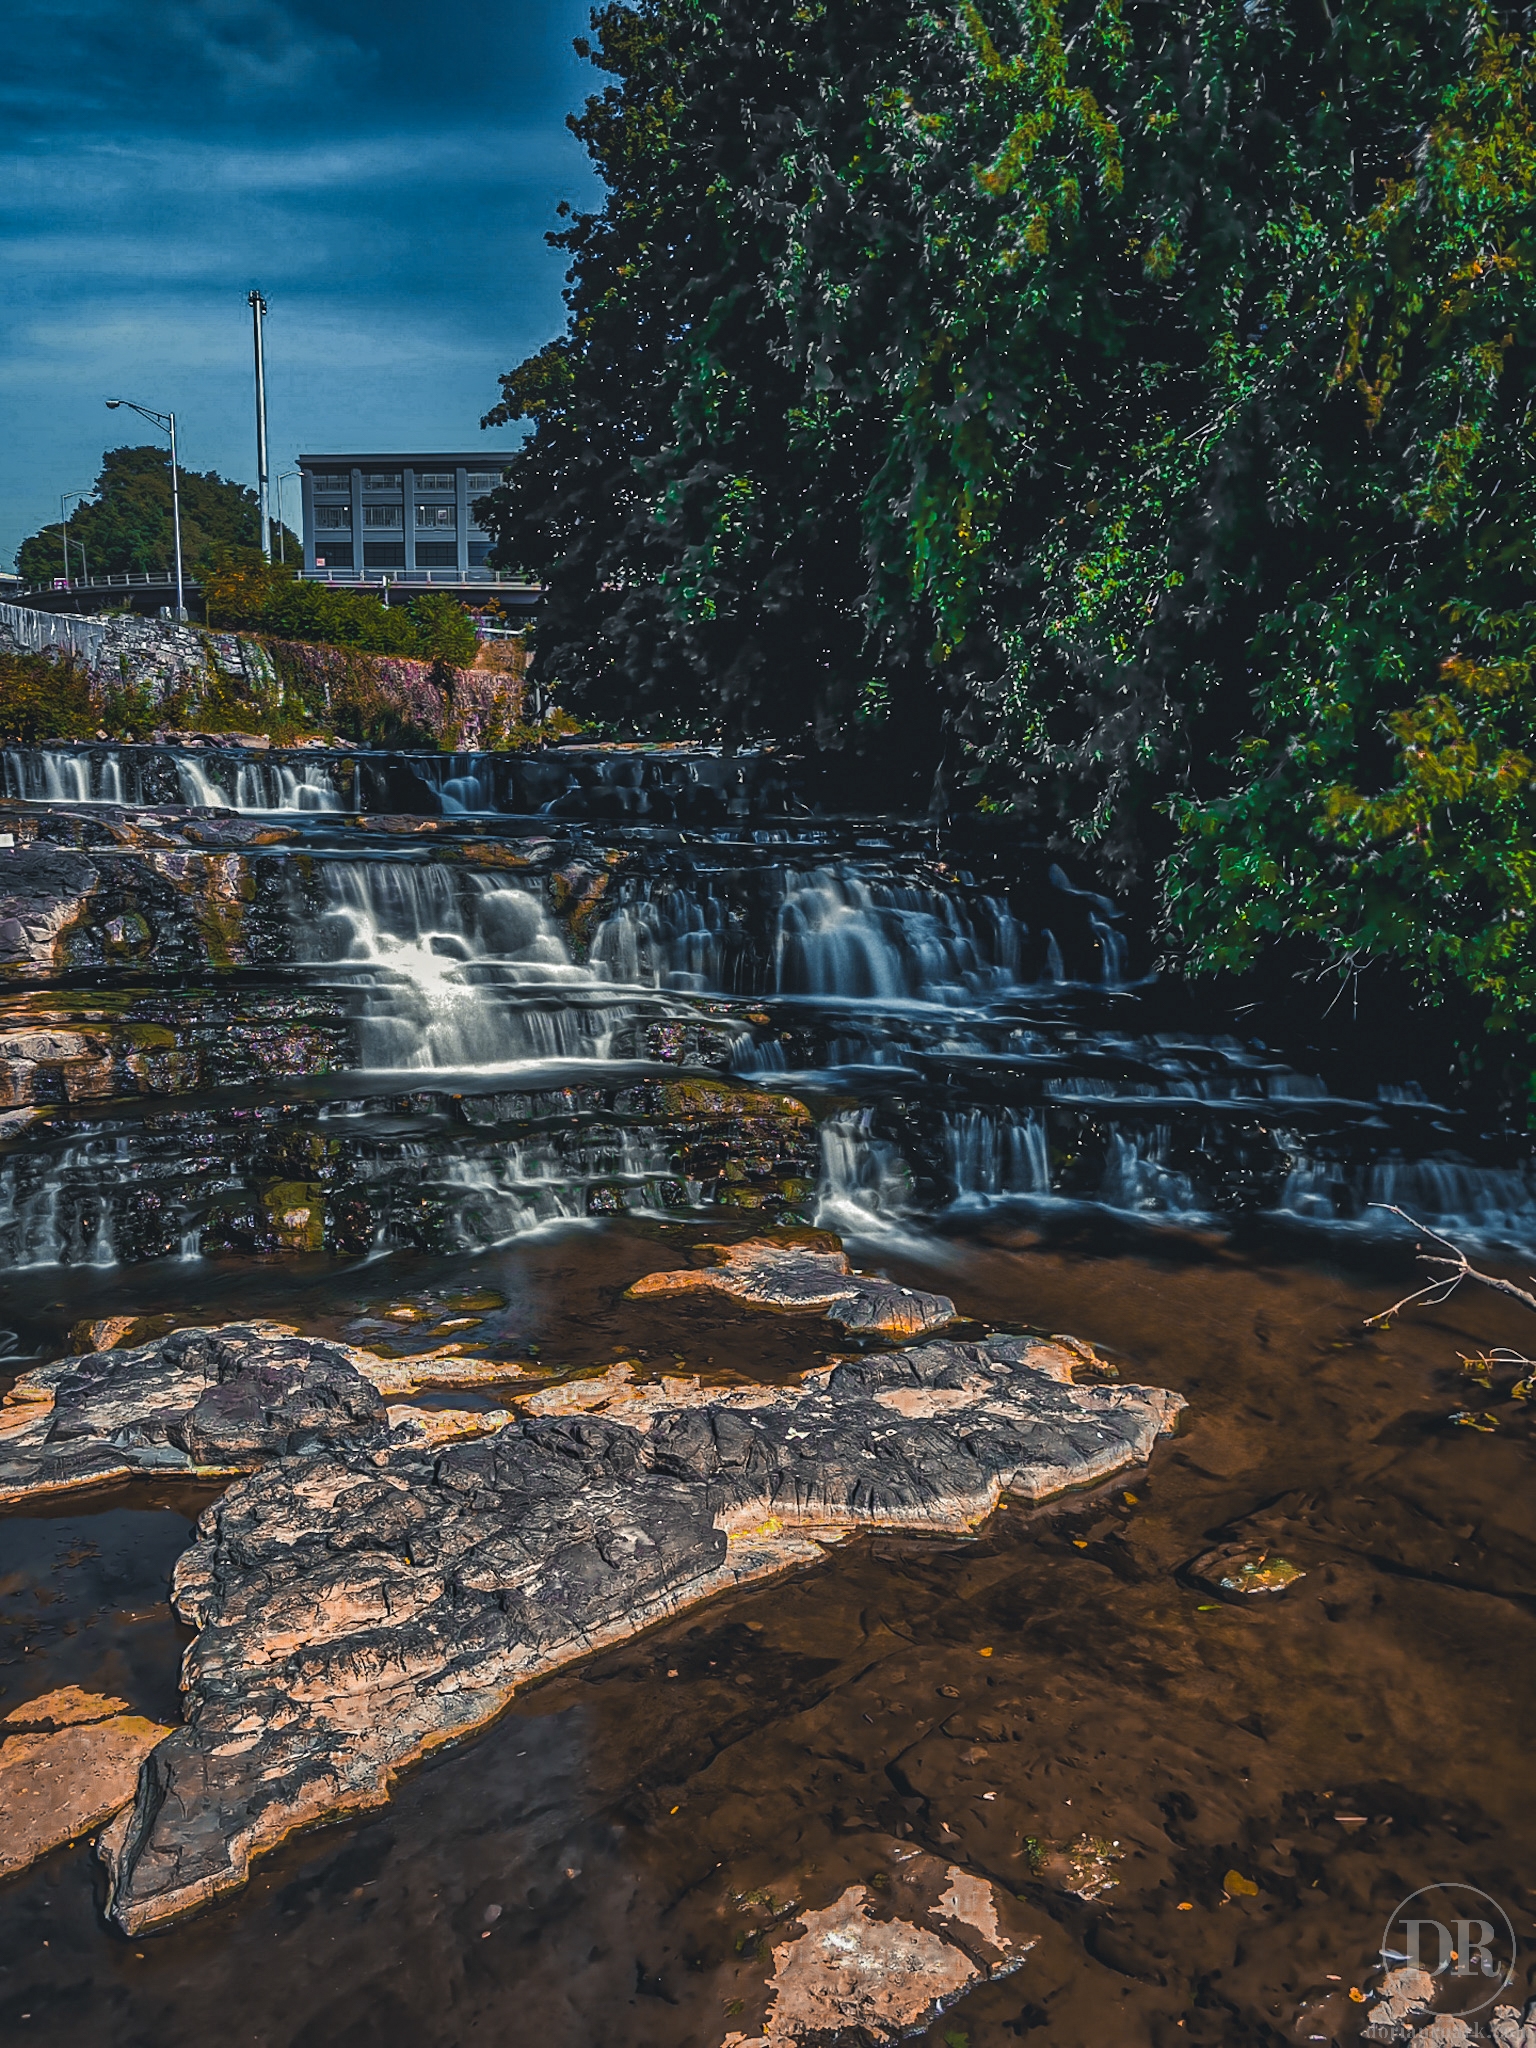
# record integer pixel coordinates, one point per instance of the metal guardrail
(122, 579)
(356, 579)
(349, 579)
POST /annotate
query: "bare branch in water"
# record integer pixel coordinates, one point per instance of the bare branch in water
(1433, 1292)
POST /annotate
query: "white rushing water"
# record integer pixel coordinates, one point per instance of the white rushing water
(61, 775)
(259, 786)
(68, 775)
(828, 931)
(461, 969)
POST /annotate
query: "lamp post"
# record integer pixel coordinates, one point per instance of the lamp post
(287, 477)
(166, 422)
(85, 567)
(258, 306)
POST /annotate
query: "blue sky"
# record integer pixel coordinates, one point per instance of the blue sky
(384, 172)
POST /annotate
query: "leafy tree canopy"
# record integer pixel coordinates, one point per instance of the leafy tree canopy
(1127, 405)
(126, 524)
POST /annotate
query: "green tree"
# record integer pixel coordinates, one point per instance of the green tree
(1127, 407)
(126, 524)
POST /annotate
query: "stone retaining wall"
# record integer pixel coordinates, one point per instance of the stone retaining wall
(462, 708)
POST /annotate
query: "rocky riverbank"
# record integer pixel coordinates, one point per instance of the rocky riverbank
(374, 1588)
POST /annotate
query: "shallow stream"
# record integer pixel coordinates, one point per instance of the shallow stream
(465, 1072)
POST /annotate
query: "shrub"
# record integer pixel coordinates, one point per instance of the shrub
(244, 590)
(42, 698)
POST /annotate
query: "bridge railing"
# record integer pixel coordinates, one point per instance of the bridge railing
(120, 579)
(375, 579)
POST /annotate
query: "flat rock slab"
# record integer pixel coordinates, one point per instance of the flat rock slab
(360, 1605)
(66, 1708)
(207, 1402)
(887, 1977)
(58, 1784)
(196, 1401)
(794, 1278)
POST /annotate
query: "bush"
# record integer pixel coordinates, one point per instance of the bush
(42, 698)
(244, 590)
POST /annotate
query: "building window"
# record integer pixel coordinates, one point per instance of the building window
(328, 517)
(478, 550)
(484, 479)
(336, 555)
(436, 515)
(383, 554)
(435, 479)
(437, 554)
(383, 515)
(378, 480)
(332, 480)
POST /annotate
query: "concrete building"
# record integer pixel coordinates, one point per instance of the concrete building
(404, 517)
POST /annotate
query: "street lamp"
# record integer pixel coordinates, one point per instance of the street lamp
(287, 477)
(166, 422)
(85, 567)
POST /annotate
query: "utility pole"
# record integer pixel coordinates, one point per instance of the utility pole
(64, 518)
(258, 306)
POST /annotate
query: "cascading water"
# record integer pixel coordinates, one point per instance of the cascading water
(864, 1190)
(57, 775)
(834, 931)
(460, 970)
(989, 1040)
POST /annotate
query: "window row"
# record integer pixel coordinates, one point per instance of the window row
(383, 554)
(477, 480)
(337, 518)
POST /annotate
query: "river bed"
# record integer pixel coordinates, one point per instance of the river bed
(1052, 1704)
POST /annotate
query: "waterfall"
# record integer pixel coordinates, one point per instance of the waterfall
(260, 786)
(277, 786)
(56, 1205)
(1003, 1152)
(864, 1189)
(57, 775)
(103, 775)
(459, 969)
(842, 935)
(821, 931)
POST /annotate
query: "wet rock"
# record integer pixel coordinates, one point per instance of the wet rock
(44, 893)
(445, 1425)
(197, 1400)
(1509, 2030)
(887, 1977)
(57, 1781)
(360, 1606)
(1085, 1866)
(65, 1708)
(798, 1278)
(1243, 1571)
(101, 1334)
(1401, 1994)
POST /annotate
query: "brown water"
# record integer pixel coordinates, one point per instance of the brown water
(612, 1863)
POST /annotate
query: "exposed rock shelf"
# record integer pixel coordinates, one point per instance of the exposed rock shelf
(210, 1403)
(364, 1603)
(795, 1278)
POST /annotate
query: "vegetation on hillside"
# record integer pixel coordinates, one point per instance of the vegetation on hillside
(1128, 408)
(243, 590)
(126, 523)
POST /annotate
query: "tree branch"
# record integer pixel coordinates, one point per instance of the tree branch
(1444, 1285)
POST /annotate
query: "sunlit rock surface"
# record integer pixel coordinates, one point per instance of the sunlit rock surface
(215, 1401)
(797, 1278)
(359, 1606)
(73, 1763)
